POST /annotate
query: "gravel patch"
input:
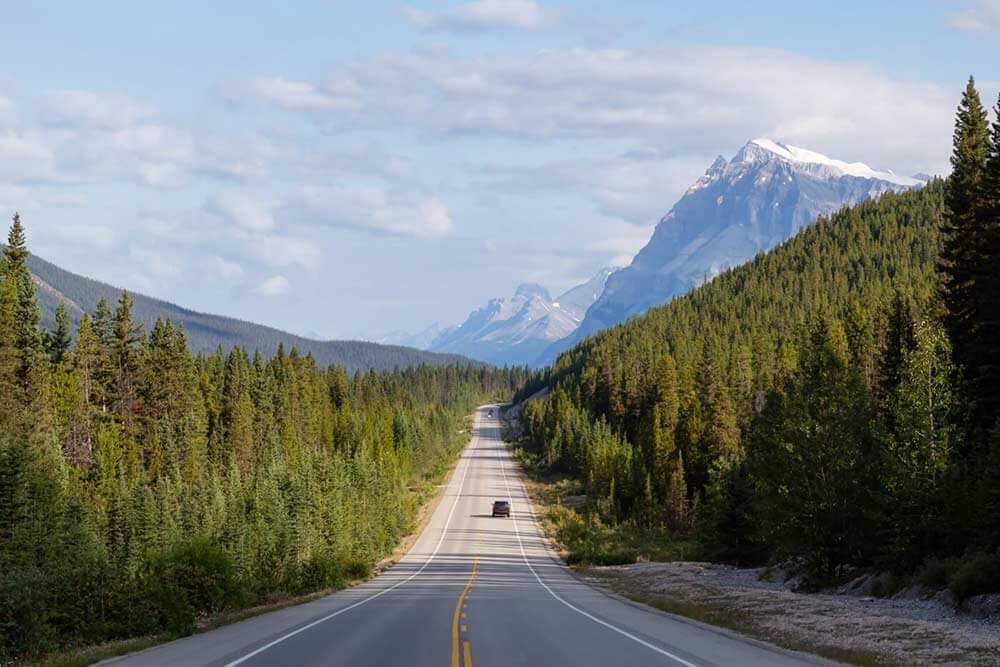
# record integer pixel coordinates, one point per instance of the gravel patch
(907, 629)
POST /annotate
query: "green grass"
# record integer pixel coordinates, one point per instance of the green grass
(88, 655)
(569, 517)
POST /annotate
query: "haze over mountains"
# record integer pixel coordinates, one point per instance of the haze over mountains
(205, 332)
(761, 197)
(517, 329)
(740, 207)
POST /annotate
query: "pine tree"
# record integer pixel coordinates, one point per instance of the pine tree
(126, 336)
(963, 239)
(61, 337)
(900, 338)
(987, 341)
(31, 366)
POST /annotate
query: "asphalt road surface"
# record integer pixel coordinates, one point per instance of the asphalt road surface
(473, 590)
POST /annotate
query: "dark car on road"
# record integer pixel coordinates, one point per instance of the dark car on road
(501, 508)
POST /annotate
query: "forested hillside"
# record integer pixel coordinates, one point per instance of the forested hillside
(142, 487)
(807, 407)
(206, 332)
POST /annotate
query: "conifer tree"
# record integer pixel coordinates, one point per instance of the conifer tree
(126, 336)
(27, 337)
(987, 341)
(963, 239)
(61, 337)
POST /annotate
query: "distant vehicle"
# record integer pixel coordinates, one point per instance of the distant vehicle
(501, 508)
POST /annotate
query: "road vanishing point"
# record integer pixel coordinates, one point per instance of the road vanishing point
(472, 590)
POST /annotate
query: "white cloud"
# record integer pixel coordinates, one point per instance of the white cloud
(25, 157)
(484, 15)
(622, 242)
(298, 95)
(101, 237)
(983, 17)
(279, 250)
(373, 208)
(7, 109)
(155, 265)
(273, 286)
(225, 270)
(636, 187)
(688, 99)
(243, 211)
(85, 108)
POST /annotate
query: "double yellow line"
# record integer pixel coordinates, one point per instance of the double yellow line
(462, 658)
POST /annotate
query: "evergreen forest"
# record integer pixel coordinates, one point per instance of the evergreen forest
(143, 489)
(830, 406)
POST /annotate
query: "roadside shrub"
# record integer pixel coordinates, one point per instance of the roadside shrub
(192, 578)
(936, 572)
(24, 611)
(319, 573)
(976, 574)
(356, 569)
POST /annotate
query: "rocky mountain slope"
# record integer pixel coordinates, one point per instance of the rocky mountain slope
(762, 196)
(516, 330)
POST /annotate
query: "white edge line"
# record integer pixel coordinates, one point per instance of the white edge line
(444, 532)
(551, 592)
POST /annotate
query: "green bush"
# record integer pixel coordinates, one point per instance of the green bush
(936, 572)
(192, 578)
(24, 611)
(600, 558)
(357, 569)
(976, 574)
(319, 573)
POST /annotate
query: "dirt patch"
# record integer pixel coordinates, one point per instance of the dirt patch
(861, 630)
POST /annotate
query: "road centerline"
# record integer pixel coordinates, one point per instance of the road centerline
(455, 655)
(437, 547)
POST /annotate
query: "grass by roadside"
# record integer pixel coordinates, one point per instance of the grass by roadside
(582, 538)
(658, 570)
(426, 494)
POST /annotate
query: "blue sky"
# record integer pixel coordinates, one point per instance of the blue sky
(348, 169)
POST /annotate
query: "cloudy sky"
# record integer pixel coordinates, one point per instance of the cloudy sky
(346, 169)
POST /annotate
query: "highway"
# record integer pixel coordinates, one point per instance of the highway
(473, 590)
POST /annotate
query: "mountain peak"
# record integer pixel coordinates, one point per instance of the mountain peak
(528, 290)
(752, 152)
(760, 198)
(712, 174)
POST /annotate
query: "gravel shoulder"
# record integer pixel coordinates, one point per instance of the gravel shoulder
(851, 628)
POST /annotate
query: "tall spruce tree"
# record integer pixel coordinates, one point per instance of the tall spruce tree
(962, 247)
(987, 344)
(28, 336)
(60, 338)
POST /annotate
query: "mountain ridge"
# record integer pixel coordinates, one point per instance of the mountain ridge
(737, 209)
(206, 332)
(515, 330)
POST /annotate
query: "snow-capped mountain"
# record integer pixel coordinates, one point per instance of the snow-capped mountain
(740, 207)
(516, 330)
(420, 340)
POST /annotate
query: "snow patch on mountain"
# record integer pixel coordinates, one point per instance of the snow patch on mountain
(856, 169)
(514, 330)
(740, 207)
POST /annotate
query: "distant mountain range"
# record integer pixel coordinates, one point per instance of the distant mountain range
(515, 330)
(739, 208)
(205, 333)
(421, 340)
